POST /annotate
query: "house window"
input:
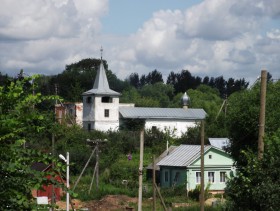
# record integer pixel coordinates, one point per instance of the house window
(89, 127)
(177, 176)
(88, 99)
(223, 176)
(166, 176)
(106, 113)
(210, 156)
(106, 100)
(198, 177)
(211, 177)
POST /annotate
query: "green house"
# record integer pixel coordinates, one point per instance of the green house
(182, 167)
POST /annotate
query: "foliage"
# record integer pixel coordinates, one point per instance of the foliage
(243, 118)
(257, 185)
(208, 98)
(19, 117)
(194, 194)
(159, 91)
(151, 95)
(78, 78)
(184, 81)
(192, 137)
(105, 188)
(152, 78)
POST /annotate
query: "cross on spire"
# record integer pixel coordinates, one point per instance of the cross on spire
(101, 51)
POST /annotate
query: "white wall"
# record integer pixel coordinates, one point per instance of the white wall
(113, 109)
(79, 114)
(177, 127)
(106, 126)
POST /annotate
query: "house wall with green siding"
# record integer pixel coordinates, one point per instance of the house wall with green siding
(215, 161)
(170, 176)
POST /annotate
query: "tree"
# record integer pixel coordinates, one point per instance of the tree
(256, 186)
(134, 80)
(183, 81)
(4, 79)
(161, 92)
(208, 98)
(154, 77)
(19, 117)
(243, 117)
(79, 77)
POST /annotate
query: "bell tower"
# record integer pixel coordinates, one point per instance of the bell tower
(101, 104)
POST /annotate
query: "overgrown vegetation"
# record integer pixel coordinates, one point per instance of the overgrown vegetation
(27, 125)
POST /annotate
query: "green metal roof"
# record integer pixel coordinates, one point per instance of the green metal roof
(183, 155)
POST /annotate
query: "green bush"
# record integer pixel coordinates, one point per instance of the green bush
(194, 194)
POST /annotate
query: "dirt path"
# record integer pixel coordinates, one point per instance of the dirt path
(109, 202)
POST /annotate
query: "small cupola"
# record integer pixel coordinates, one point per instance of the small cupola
(185, 99)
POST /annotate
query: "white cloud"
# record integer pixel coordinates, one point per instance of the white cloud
(216, 37)
(41, 36)
(213, 38)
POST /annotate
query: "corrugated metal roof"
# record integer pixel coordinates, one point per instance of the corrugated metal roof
(183, 155)
(220, 143)
(101, 85)
(163, 155)
(162, 113)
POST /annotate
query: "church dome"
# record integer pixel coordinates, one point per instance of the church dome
(185, 99)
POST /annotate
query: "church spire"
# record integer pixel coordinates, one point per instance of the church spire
(101, 85)
(101, 51)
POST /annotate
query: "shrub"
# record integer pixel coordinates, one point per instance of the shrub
(194, 194)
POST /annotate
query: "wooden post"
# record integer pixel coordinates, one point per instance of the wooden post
(141, 169)
(76, 183)
(154, 182)
(161, 199)
(53, 195)
(262, 114)
(97, 166)
(92, 179)
(202, 167)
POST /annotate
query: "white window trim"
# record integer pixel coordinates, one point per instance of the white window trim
(196, 180)
(213, 177)
(225, 177)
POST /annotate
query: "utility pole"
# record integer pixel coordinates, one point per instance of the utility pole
(66, 160)
(53, 194)
(67, 182)
(202, 166)
(154, 183)
(97, 165)
(141, 169)
(262, 114)
(96, 169)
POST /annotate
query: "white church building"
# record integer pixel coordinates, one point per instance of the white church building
(101, 110)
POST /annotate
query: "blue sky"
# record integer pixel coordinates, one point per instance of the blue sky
(126, 16)
(212, 38)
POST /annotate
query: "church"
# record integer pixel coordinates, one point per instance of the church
(101, 110)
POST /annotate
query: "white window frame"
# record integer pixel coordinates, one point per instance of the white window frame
(197, 177)
(223, 177)
(106, 113)
(211, 179)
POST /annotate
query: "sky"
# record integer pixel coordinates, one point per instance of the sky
(229, 38)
